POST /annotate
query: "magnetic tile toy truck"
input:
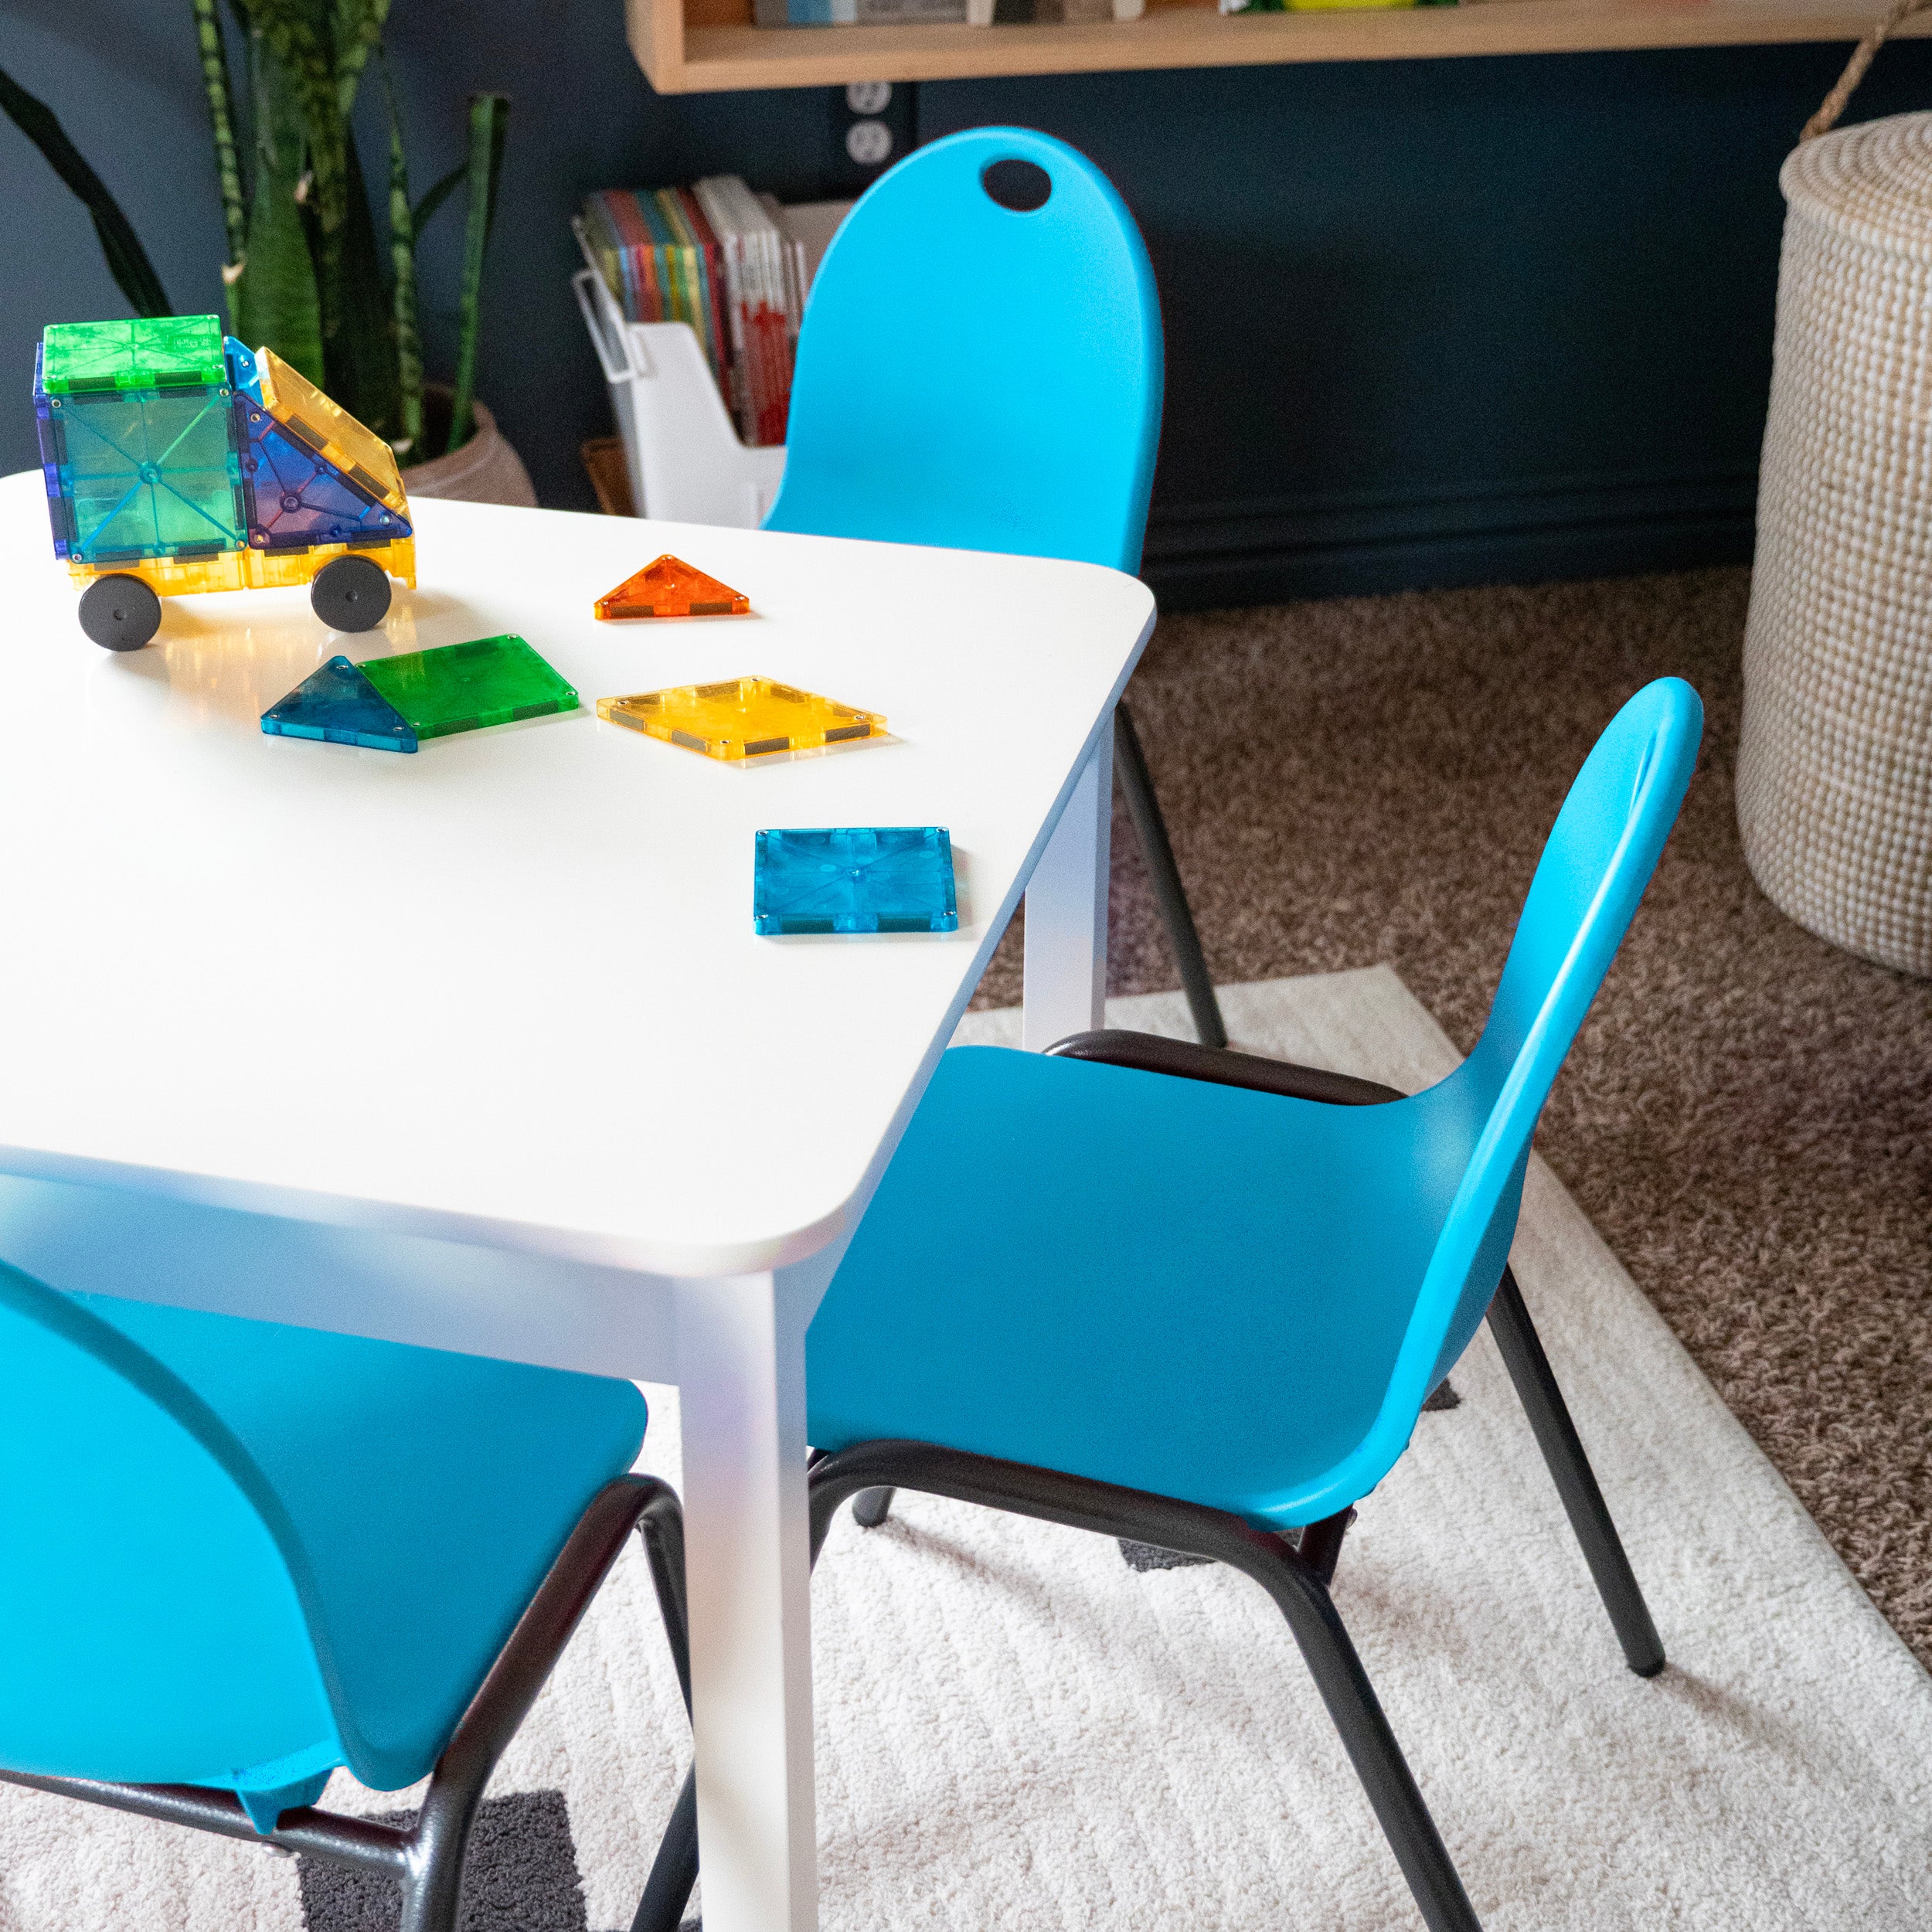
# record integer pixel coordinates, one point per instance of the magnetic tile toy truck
(176, 460)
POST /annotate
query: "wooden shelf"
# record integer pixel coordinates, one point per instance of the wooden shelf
(701, 46)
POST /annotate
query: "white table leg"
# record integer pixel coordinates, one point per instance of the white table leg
(1066, 959)
(741, 1373)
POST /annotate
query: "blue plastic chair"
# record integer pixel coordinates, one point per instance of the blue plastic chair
(981, 368)
(1203, 1312)
(239, 1555)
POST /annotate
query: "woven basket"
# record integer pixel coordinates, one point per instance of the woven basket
(1834, 769)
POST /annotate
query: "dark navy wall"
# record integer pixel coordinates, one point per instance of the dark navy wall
(1427, 322)
(1452, 320)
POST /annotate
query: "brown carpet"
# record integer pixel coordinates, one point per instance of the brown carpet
(1747, 1114)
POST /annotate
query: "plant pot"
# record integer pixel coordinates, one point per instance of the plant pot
(485, 470)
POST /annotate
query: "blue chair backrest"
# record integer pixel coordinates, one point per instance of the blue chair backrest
(1599, 858)
(979, 376)
(150, 1624)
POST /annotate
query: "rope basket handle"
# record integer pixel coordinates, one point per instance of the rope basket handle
(1834, 104)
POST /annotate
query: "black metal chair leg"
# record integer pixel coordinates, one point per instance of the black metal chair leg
(1137, 786)
(1562, 1450)
(1272, 1561)
(1357, 1715)
(1321, 1545)
(674, 1872)
(437, 1844)
(661, 1530)
(433, 1893)
(871, 1507)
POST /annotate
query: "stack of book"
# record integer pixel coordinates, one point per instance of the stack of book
(721, 258)
(973, 13)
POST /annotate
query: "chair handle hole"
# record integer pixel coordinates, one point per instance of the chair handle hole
(1020, 185)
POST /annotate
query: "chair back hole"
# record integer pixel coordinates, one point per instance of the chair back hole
(1020, 185)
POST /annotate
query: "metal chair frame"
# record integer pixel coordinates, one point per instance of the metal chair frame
(1295, 1572)
(427, 1857)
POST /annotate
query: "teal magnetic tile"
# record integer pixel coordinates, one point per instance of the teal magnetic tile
(340, 706)
(854, 879)
(148, 474)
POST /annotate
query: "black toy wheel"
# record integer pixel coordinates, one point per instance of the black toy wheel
(120, 612)
(350, 594)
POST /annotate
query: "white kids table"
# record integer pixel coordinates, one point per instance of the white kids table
(477, 1048)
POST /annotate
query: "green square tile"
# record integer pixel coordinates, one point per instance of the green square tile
(162, 351)
(150, 473)
(464, 687)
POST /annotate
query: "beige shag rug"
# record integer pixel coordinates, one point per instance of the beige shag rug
(1017, 1730)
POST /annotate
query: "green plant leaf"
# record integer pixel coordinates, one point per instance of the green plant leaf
(358, 339)
(274, 299)
(295, 32)
(489, 125)
(357, 33)
(322, 46)
(426, 209)
(402, 251)
(126, 259)
(221, 113)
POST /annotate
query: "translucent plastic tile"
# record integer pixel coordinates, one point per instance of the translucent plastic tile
(741, 718)
(178, 576)
(296, 498)
(338, 705)
(244, 377)
(671, 588)
(165, 351)
(329, 430)
(465, 687)
(143, 473)
(249, 569)
(854, 879)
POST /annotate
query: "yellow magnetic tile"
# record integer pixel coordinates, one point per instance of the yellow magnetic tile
(248, 569)
(741, 718)
(670, 587)
(328, 428)
(172, 576)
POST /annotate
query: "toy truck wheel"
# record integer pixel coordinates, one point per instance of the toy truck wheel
(120, 612)
(350, 594)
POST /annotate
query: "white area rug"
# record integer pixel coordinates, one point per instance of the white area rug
(1017, 1731)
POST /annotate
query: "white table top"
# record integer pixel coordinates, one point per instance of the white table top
(507, 990)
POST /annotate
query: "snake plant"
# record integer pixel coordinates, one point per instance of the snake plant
(304, 271)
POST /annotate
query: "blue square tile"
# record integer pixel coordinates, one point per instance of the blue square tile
(854, 879)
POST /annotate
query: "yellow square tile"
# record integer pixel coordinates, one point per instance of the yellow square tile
(741, 718)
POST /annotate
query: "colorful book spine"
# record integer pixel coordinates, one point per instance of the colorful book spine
(693, 272)
(720, 258)
(741, 395)
(805, 13)
(847, 13)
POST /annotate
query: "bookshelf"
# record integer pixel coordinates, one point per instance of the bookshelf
(705, 47)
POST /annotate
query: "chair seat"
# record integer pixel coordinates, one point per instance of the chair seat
(422, 1495)
(1194, 1290)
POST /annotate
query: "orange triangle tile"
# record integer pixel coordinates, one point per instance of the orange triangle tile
(671, 588)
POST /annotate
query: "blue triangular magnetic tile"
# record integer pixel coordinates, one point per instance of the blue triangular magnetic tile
(339, 706)
(297, 499)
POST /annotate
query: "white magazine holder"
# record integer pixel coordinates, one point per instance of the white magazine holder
(686, 463)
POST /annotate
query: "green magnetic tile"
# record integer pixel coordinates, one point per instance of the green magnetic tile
(150, 473)
(162, 351)
(464, 687)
